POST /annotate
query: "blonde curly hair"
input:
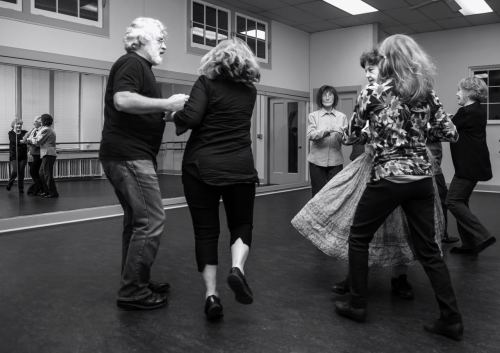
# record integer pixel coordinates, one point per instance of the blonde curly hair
(231, 59)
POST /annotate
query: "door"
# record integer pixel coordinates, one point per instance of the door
(346, 103)
(287, 141)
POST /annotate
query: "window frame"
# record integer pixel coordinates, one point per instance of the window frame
(202, 50)
(191, 21)
(28, 13)
(257, 21)
(473, 70)
(69, 18)
(18, 6)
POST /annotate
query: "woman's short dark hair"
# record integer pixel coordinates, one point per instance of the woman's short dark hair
(370, 58)
(47, 119)
(322, 90)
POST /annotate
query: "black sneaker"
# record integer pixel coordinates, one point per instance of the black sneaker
(213, 308)
(345, 309)
(239, 285)
(401, 287)
(341, 287)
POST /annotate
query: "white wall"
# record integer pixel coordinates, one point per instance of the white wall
(290, 47)
(334, 56)
(453, 52)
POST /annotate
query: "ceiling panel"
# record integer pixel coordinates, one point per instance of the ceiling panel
(484, 19)
(292, 14)
(426, 27)
(454, 22)
(395, 16)
(438, 11)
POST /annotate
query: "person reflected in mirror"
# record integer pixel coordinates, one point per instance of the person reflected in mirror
(18, 155)
(34, 160)
(45, 138)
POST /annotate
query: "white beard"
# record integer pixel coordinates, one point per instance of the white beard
(154, 56)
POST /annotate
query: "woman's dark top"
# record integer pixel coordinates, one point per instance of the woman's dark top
(470, 154)
(219, 112)
(22, 148)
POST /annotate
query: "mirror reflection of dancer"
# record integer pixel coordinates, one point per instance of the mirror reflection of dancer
(46, 140)
(218, 163)
(131, 138)
(18, 155)
(403, 111)
(34, 160)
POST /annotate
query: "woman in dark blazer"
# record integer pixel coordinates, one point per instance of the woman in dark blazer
(471, 160)
(218, 163)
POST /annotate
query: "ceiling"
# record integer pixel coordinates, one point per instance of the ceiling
(394, 16)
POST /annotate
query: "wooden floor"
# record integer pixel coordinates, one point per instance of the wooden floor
(58, 287)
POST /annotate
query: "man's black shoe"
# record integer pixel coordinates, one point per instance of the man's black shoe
(401, 287)
(454, 331)
(159, 287)
(213, 308)
(341, 287)
(153, 301)
(239, 285)
(344, 308)
(488, 242)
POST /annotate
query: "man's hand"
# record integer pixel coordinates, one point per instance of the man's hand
(176, 101)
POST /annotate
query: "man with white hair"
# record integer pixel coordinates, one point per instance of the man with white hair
(131, 138)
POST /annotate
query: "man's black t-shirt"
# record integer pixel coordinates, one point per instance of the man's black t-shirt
(131, 136)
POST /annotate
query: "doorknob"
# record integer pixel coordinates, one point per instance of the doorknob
(300, 147)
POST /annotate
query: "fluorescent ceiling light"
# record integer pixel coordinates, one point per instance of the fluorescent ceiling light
(354, 7)
(255, 33)
(473, 7)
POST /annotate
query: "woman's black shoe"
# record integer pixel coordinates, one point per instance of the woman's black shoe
(401, 287)
(239, 285)
(213, 308)
(344, 308)
(454, 331)
(153, 301)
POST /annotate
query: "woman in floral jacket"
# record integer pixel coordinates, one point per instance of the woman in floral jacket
(403, 111)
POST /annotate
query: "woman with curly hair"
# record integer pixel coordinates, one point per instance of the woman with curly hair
(402, 112)
(471, 160)
(218, 162)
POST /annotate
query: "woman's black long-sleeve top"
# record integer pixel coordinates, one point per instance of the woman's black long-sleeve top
(22, 148)
(219, 113)
(470, 154)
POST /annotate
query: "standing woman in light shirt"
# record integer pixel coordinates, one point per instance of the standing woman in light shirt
(324, 130)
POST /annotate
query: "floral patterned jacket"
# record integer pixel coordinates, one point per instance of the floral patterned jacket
(398, 131)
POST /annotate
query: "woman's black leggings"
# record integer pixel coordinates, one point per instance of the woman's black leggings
(203, 201)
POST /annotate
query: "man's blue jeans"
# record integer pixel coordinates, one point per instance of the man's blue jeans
(136, 185)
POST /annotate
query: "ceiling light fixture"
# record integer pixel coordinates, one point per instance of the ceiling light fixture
(354, 7)
(473, 7)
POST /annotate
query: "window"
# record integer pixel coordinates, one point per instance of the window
(209, 24)
(12, 4)
(87, 12)
(491, 76)
(87, 16)
(254, 33)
